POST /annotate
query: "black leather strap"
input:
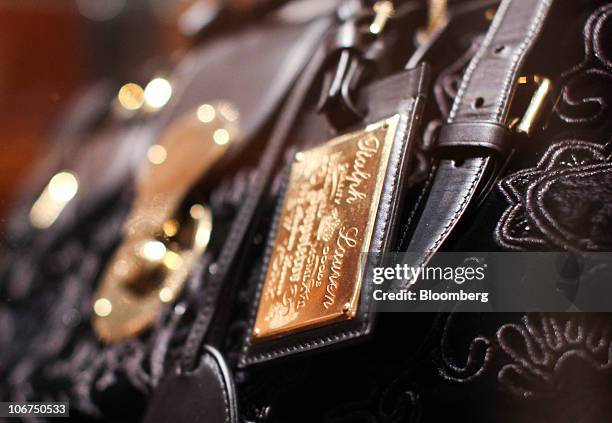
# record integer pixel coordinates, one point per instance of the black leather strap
(221, 271)
(466, 139)
(476, 137)
(206, 394)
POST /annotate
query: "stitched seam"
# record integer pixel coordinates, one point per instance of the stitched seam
(543, 6)
(503, 8)
(264, 266)
(418, 201)
(458, 212)
(532, 32)
(308, 345)
(402, 132)
(217, 373)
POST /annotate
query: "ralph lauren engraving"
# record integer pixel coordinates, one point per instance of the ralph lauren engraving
(315, 271)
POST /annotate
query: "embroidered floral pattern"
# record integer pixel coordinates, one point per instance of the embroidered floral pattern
(564, 202)
(582, 98)
(543, 349)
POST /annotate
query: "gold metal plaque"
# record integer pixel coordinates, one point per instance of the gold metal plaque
(327, 218)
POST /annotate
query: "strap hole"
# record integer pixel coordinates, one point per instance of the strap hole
(478, 103)
(499, 49)
(458, 163)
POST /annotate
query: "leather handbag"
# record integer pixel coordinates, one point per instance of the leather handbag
(209, 265)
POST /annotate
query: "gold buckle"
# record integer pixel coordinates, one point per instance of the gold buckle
(162, 238)
(540, 100)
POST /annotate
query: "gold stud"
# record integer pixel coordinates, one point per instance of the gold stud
(131, 96)
(170, 227)
(157, 154)
(166, 295)
(103, 307)
(157, 93)
(221, 136)
(206, 113)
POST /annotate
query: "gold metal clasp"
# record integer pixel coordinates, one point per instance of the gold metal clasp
(164, 234)
(541, 100)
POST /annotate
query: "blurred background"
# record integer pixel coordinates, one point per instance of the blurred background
(51, 50)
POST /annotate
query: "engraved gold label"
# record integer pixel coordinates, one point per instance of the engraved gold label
(315, 270)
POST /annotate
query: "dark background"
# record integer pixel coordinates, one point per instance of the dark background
(52, 49)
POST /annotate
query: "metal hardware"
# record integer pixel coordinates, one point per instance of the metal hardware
(437, 18)
(315, 272)
(383, 11)
(356, 45)
(60, 190)
(537, 106)
(163, 234)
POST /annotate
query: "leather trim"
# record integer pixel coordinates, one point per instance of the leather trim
(462, 140)
(219, 277)
(457, 186)
(206, 393)
(403, 93)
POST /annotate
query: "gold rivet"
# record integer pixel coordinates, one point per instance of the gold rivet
(490, 14)
(170, 227)
(157, 154)
(346, 308)
(197, 211)
(383, 11)
(131, 96)
(172, 260)
(299, 157)
(165, 295)
(256, 332)
(157, 93)
(206, 113)
(221, 136)
(103, 307)
(153, 250)
(63, 187)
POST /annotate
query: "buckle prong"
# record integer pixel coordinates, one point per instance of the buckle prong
(537, 106)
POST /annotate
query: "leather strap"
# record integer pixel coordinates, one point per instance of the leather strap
(476, 135)
(221, 272)
(467, 139)
(204, 394)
